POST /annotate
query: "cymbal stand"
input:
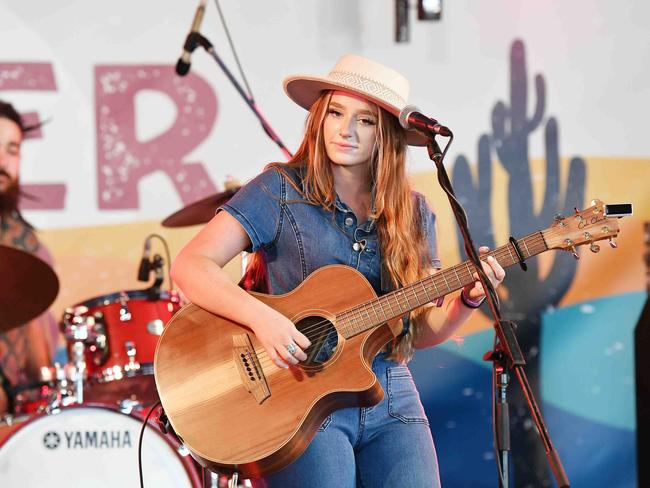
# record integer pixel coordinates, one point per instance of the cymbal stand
(216, 480)
(234, 480)
(78, 349)
(78, 330)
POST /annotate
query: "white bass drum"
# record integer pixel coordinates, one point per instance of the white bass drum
(89, 446)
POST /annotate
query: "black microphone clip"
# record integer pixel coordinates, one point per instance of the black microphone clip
(183, 64)
(192, 41)
(145, 264)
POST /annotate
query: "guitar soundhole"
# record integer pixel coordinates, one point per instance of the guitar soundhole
(324, 339)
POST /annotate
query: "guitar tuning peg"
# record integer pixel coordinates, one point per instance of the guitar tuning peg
(612, 243)
(574, 252)
(594, 247)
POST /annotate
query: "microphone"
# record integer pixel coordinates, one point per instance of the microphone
(184, 62)
(411, 118)
(145, 265)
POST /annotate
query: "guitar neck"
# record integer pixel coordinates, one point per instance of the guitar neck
(397, 303)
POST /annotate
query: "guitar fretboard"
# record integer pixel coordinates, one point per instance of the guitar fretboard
(397, 303)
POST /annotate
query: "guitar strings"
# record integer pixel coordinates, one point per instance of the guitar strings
(322, 329)
(463, 275)
(459, 269)
(499, 253)
(533, 240)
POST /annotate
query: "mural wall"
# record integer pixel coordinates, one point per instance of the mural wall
(546, 100)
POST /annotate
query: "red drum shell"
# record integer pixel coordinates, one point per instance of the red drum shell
(122, 322)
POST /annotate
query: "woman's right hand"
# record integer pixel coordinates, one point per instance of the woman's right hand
(198, 271)
(283, 342)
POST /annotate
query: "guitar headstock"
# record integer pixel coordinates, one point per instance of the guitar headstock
(598, 222)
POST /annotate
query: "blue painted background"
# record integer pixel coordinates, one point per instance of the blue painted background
(588, 398)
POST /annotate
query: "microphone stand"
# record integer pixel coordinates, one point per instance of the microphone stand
(507, 355)
(195, 39)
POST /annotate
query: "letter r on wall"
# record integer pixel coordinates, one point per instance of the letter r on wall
(122, 160)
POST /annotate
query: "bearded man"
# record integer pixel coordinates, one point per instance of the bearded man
(24, 350)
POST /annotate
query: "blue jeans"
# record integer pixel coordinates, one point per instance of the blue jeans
(388, 445)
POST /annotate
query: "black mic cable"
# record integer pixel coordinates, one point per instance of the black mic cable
(144, 426)
(234, 51)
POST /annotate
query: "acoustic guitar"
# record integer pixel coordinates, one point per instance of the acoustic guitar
(236, 410)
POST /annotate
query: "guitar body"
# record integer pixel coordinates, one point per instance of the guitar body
(234, 408)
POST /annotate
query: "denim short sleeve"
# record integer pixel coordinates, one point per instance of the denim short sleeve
(257, 207)
(428, 219)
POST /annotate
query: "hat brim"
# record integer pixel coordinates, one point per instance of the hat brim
(305, 90)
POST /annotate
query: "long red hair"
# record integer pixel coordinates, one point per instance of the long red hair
(403, 247)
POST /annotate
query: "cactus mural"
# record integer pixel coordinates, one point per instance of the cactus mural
(528, 294)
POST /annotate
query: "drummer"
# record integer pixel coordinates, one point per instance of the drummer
(24, 350)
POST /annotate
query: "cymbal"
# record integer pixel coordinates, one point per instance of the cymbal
(27, 288)
(200, 211)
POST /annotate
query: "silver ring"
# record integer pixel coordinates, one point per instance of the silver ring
(291, 347)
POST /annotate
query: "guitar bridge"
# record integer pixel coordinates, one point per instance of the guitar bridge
(249, 367)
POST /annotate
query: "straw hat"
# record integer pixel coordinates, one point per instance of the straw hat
(373, 81)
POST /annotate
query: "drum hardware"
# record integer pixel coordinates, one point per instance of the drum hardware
(89, 328)
(133, 365)
(234, 480)
(54, 390)
(112, 339)
(41, 399)
(126, 405)
(155, 327)
(219, 480)
(125, 314)
(80, 330)
(80, 367)
(66, 378)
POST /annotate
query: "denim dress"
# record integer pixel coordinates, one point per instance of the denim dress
(388, 444)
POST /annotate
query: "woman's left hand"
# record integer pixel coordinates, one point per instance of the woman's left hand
(494, 272)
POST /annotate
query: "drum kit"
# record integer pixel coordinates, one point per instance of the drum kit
(90, 410)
